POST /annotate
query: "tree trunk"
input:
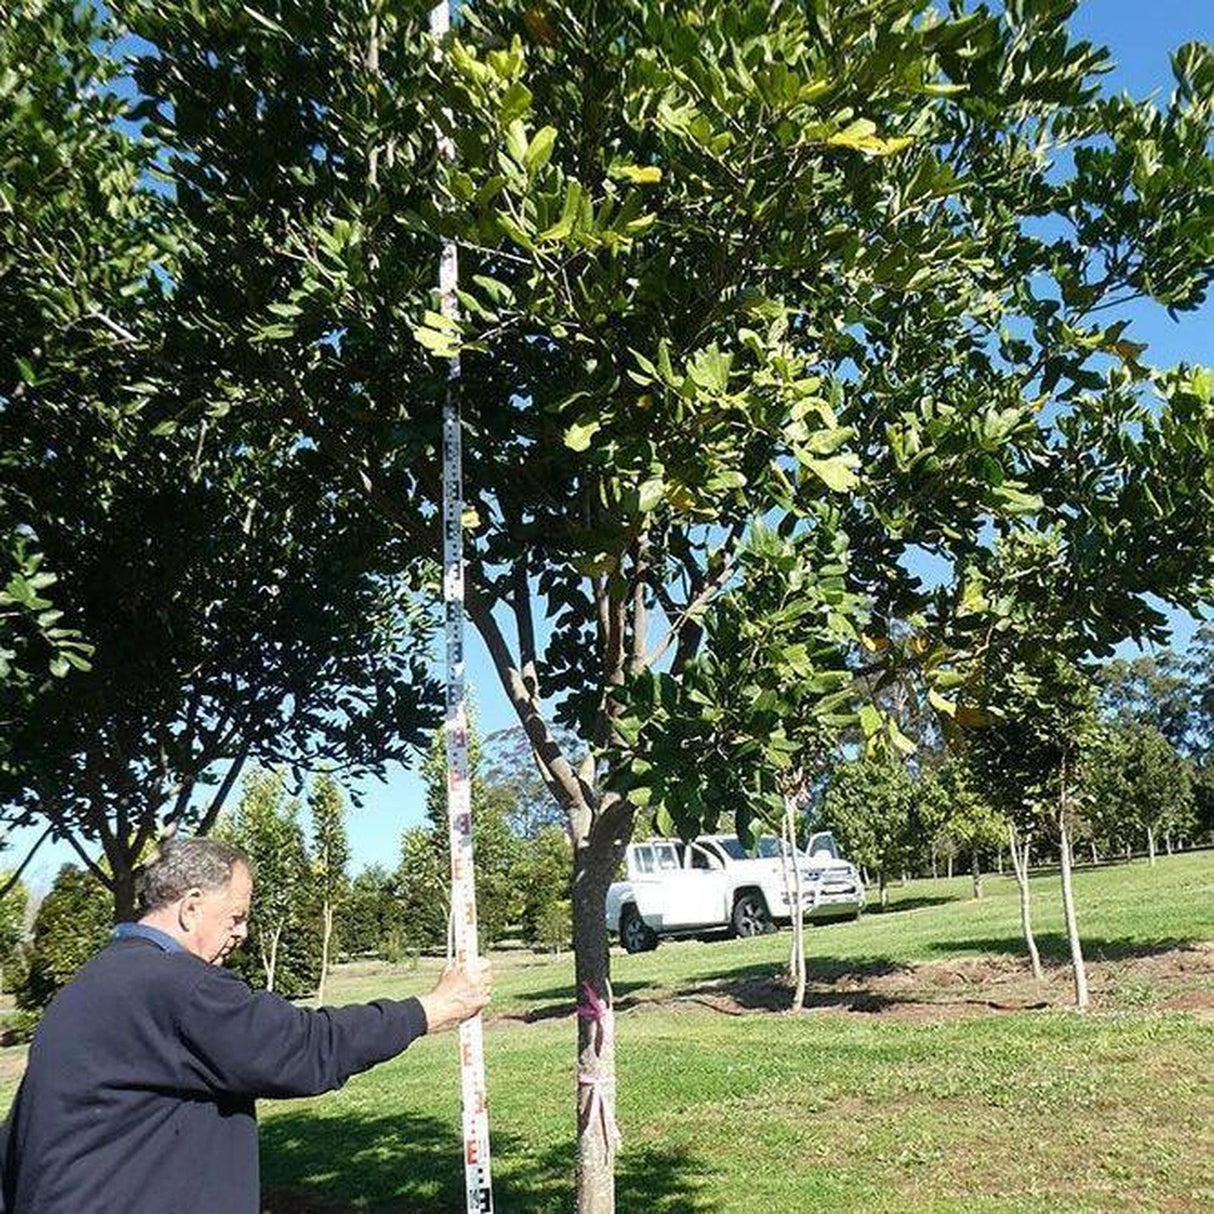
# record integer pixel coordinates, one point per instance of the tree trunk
(1129, 854)
(596, 1081)
(935, 866)
(327, 913)
(1095, 853)
(123, 886)
(999, 861)
(1020, 864)
(270, 964)
(1167, 842)
(1068, 907)
(976, 873)
(1151, 845)
(950, 865)
(884, 891)
(798, 908)
(790, 896)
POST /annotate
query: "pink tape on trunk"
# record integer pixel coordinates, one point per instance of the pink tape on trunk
(600, 1100)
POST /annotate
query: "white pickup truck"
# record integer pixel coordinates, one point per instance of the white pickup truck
(674, 888)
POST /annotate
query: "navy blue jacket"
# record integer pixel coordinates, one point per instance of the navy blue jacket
(139, 1093)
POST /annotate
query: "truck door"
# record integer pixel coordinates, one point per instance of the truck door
(693, 887)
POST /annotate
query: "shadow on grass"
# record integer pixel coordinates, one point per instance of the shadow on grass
(1053, 946)
(764, 987)
(554, 1003)
(408, 1164)
(905, 904)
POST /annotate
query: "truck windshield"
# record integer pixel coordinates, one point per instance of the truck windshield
(768, 848)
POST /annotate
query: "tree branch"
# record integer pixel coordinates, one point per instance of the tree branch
(207, 821)
(90, 864)
(708, 591)
(15, 877)
(569, 790)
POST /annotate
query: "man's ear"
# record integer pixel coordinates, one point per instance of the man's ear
(188, 910)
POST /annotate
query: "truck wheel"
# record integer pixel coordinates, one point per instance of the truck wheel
(635, 934)
(750, 917)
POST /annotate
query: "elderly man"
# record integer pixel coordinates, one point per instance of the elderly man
(139, 1093)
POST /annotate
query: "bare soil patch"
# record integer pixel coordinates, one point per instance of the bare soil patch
(1173, 979)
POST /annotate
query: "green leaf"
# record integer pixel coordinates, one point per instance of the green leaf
(649, 495)
(870, 720)
(1014, 500)
(516, 142)
(648, 174)
(514, 103)
(838, 472)
(539, 151)
(578, 436)
(860, 137)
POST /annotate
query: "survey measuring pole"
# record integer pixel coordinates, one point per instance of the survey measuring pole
(473, 1096)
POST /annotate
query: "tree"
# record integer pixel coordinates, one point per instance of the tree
(495, 847)
(372, 920)
(265, 826)
(72, 923)
(717, 257)
(969, 822)
(330, 861)
(1036, 704)
(1139, 785)
(78, 237)
(750, 723)
(509, 764)
(544, 874)
(1151, 691)
(869, 806)
(423, 882)
(13, 906)
(253, 616)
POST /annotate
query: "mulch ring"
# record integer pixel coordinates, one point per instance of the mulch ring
(1172, 979)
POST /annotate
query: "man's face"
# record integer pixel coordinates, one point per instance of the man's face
(216, 921)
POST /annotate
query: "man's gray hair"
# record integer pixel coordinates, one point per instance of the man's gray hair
(186, 864)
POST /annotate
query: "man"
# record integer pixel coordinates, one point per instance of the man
(139, 1093)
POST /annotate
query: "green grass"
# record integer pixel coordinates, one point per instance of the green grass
(1036, 1111)
(1123, 910)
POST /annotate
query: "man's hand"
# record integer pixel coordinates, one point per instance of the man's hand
(459, 995)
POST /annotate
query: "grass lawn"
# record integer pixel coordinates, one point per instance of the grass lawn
(907, 1086)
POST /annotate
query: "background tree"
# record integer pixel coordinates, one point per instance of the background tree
(1138, 785)
(13, 907)
(423, 882)
(869, 806)
(372, 921)
(544, 875)
(281, 952)
(1037, 704)
(330, 861)
(969, 823)
(508, 762)
(73, 922)
(495, 846)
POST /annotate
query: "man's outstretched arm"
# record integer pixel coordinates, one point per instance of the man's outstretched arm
(254, 1043)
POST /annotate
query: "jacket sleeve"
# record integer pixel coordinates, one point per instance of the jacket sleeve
(253, 1043)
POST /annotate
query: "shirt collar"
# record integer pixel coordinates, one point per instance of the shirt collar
(144, 931)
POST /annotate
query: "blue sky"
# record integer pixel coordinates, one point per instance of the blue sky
(1140, 37)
